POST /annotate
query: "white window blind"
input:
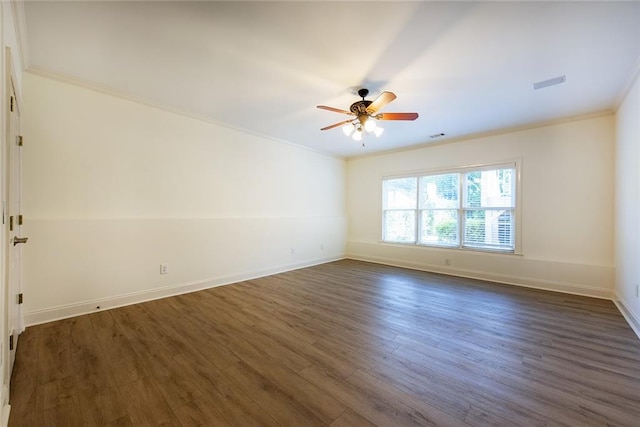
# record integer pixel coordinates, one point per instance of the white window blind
(489, 209)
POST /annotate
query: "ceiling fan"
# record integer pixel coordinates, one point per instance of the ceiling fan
(366, 114)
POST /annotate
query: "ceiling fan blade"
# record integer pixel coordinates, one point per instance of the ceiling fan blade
(335, 110)
(380, 101)
(337, 124)
(397, 116)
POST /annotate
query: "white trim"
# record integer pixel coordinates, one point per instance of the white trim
(6, 411)
(487, 134)
(501, 164)
(20, 24)
(629, 316)
(507, 279)
(517, 248)
(71, 310)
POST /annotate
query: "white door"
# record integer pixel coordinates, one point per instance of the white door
(13, 226)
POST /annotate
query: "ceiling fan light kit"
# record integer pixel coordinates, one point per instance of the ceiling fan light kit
(366, 115)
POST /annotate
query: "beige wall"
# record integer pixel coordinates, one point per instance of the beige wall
(627, 242)
(566, 207)
(113, 188)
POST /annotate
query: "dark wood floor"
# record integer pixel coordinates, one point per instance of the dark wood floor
(341, 344)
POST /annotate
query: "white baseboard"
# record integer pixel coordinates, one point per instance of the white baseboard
(71, 310)
(630, 317)
(85, 307)
(528, 282)
(6, 411)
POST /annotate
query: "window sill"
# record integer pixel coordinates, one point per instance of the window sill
(453, 248)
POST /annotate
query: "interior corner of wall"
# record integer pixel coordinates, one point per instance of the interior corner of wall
(632, 319)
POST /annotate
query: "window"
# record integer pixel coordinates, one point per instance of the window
(439, 209)
(469, 208)
(400, 209)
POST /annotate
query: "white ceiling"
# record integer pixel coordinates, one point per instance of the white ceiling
(466, 67)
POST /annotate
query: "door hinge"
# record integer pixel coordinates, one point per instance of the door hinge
(11, 342)
(12, 104)
(20, 219)
(20, 140)
(20, 298)
(11, 223)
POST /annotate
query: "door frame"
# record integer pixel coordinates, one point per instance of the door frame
(10, 88)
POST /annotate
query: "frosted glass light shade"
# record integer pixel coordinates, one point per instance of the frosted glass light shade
(370, 125)
(347, 129)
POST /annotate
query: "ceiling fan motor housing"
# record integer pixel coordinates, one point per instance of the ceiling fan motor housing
(360, 107)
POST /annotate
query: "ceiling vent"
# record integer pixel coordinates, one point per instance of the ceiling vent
(551, 82)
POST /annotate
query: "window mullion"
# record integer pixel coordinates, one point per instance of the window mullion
(416, 222)
(461, 212)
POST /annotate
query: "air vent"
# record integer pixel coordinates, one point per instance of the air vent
(436, 135)
(551, 82)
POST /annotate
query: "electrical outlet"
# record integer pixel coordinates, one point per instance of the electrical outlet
(637, 291)
(447, 261)
(322, 247)
(293, 251)
(164, 268)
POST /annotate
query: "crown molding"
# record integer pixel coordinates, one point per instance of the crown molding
(95, 87)
(496, 132)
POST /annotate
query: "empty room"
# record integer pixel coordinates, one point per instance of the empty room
(320, 213)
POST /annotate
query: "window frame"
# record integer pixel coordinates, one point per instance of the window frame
(515, 210)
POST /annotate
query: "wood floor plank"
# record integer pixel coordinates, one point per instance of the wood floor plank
(61, 415)
(274, 349)
(281, 404)
(25, 377)
(478, 417)
(322, 405)
(58, 392)
(529, 396)
(425, 413)
(375, 405)
(55, 361)
(176, 327)
(349, 418)
(346, 343)
(146, 405)
(176, 388)
(120, 422)
(231, 406)
(125, 366)
(198, 412)
(98, 395)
